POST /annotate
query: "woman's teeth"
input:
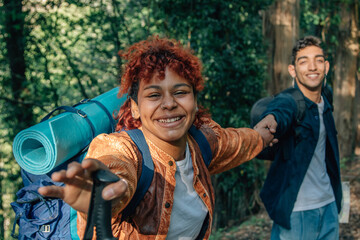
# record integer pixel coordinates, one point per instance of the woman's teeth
(169, 120)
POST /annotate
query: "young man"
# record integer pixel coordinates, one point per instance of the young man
(302, 192)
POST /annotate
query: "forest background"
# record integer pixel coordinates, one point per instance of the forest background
(58, 52)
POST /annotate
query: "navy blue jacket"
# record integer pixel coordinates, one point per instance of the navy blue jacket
(295, 150)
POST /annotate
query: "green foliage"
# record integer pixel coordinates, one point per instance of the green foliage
(226, 35)
(322, 19)
(71, 53)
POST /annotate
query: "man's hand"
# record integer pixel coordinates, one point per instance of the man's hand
(267, 128)
(78, 185)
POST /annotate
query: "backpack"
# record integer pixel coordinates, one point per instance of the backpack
(40, 217)
(261, 105)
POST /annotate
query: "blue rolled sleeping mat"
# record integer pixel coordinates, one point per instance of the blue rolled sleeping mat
(43, 147)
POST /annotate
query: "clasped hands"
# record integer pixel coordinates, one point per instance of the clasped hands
(267, 128)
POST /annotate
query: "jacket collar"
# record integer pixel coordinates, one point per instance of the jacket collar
(310, 104)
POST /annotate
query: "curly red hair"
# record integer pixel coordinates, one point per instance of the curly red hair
(152, 56)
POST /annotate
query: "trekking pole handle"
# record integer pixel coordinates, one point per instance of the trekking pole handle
(102, 208)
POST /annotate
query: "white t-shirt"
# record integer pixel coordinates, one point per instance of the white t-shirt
(189, 211)
(316, 190)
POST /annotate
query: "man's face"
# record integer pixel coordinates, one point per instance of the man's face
(310, 68)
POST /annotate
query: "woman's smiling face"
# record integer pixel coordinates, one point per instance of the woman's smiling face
(166, 107)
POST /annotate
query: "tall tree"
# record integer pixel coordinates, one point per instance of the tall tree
(15, 44)
(15, 111)
(344, 77)
(357, 110)
(281, 30)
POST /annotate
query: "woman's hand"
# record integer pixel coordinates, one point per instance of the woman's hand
(267, 128)
(78, 185)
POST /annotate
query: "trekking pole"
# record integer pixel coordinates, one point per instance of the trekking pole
(100, 210)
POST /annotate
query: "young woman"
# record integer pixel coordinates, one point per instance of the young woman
(162, 79)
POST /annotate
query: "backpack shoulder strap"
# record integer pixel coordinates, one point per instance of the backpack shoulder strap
(327, 91)
(203, 144)
(147, 171)
(300, 102)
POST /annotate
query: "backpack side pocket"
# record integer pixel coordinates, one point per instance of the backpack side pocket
(38, 217)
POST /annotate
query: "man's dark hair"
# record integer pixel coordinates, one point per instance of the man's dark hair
(303, 43)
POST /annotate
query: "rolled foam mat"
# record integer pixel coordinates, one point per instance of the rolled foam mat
(46, 145)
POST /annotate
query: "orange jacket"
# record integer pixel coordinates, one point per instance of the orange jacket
(230, 147)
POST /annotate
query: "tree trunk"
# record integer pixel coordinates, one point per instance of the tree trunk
(15, 44)
(19, 115)
(344, 78)
(357, 112)
(281, 30)
(2, 219)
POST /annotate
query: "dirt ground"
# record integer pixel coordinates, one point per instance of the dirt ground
(259, 226)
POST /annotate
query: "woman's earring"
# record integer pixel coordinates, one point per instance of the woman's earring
(325, 79)
(134, 110)
(135, 115)
(293, 81)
